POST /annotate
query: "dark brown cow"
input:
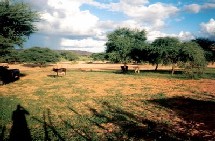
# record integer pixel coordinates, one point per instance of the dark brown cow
(59, 70)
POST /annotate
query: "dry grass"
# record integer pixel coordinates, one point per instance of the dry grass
(89, 105)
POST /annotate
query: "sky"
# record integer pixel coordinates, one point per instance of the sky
(84, 24)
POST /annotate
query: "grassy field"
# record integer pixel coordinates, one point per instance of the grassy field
(109, 105)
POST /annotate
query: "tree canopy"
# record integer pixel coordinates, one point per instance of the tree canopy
(121, 41)
(165, 50)
(16, 24)
(208, 46)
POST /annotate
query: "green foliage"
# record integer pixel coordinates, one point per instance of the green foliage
(99, 56)
(39, 55)
(16, 24)
(141, 53)
(10, 56)
(192, 56)
(165, 50)
(208, 46)
(68, 55)
(121, 41)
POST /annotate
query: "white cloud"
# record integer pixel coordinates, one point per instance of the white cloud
(209, 27)
(196, 8)
(154, 15)
(185, 36)
(70, 27)
(65, 17)
(135, 2)
(152, 35)
(88, 44)
(182, 36)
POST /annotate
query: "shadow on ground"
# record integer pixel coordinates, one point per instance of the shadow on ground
(36, 65)
(50, 130)
(198, 115)
(122, 125)
(19, 130)
(114, 123)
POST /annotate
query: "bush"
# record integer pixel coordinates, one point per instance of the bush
(39, 56)
(69, 55)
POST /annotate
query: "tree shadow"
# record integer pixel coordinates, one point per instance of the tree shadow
(2, 135)
(126, 126)
(30, 65)
(139, 128)
(19, 130)
(199, 115)
(81, 132)
(159, 71)
(142, 71)
(53, 75)
(49, 127)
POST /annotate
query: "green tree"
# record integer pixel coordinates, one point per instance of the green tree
(141, 53)
(165, 50)
(99, 56)
(193, 58)
(11, 57)
(16, 25)
(121, 41)
(209, 48)
(38, 55)
(68, 55)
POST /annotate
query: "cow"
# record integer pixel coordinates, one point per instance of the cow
(136, 69)
(59, 70)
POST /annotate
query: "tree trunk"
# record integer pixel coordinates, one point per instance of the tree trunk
(156, 68)
(173, 68)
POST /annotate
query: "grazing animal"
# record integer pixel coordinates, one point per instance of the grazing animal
(136, 69)
(124, 68)
(59, 70)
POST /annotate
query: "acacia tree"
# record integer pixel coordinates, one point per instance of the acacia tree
(16, 25)
(165, 50)
(193, 58)
(208, 46)
(121, 41)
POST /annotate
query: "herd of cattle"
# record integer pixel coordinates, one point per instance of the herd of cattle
(10, 75)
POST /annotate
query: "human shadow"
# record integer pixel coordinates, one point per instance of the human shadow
(19, 130)
(199, 115)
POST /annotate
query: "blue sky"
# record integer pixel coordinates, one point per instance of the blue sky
(84, 24)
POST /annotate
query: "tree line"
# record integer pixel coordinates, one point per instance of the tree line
(126, 45)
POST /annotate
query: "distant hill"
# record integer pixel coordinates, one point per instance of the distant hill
(78, 52)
